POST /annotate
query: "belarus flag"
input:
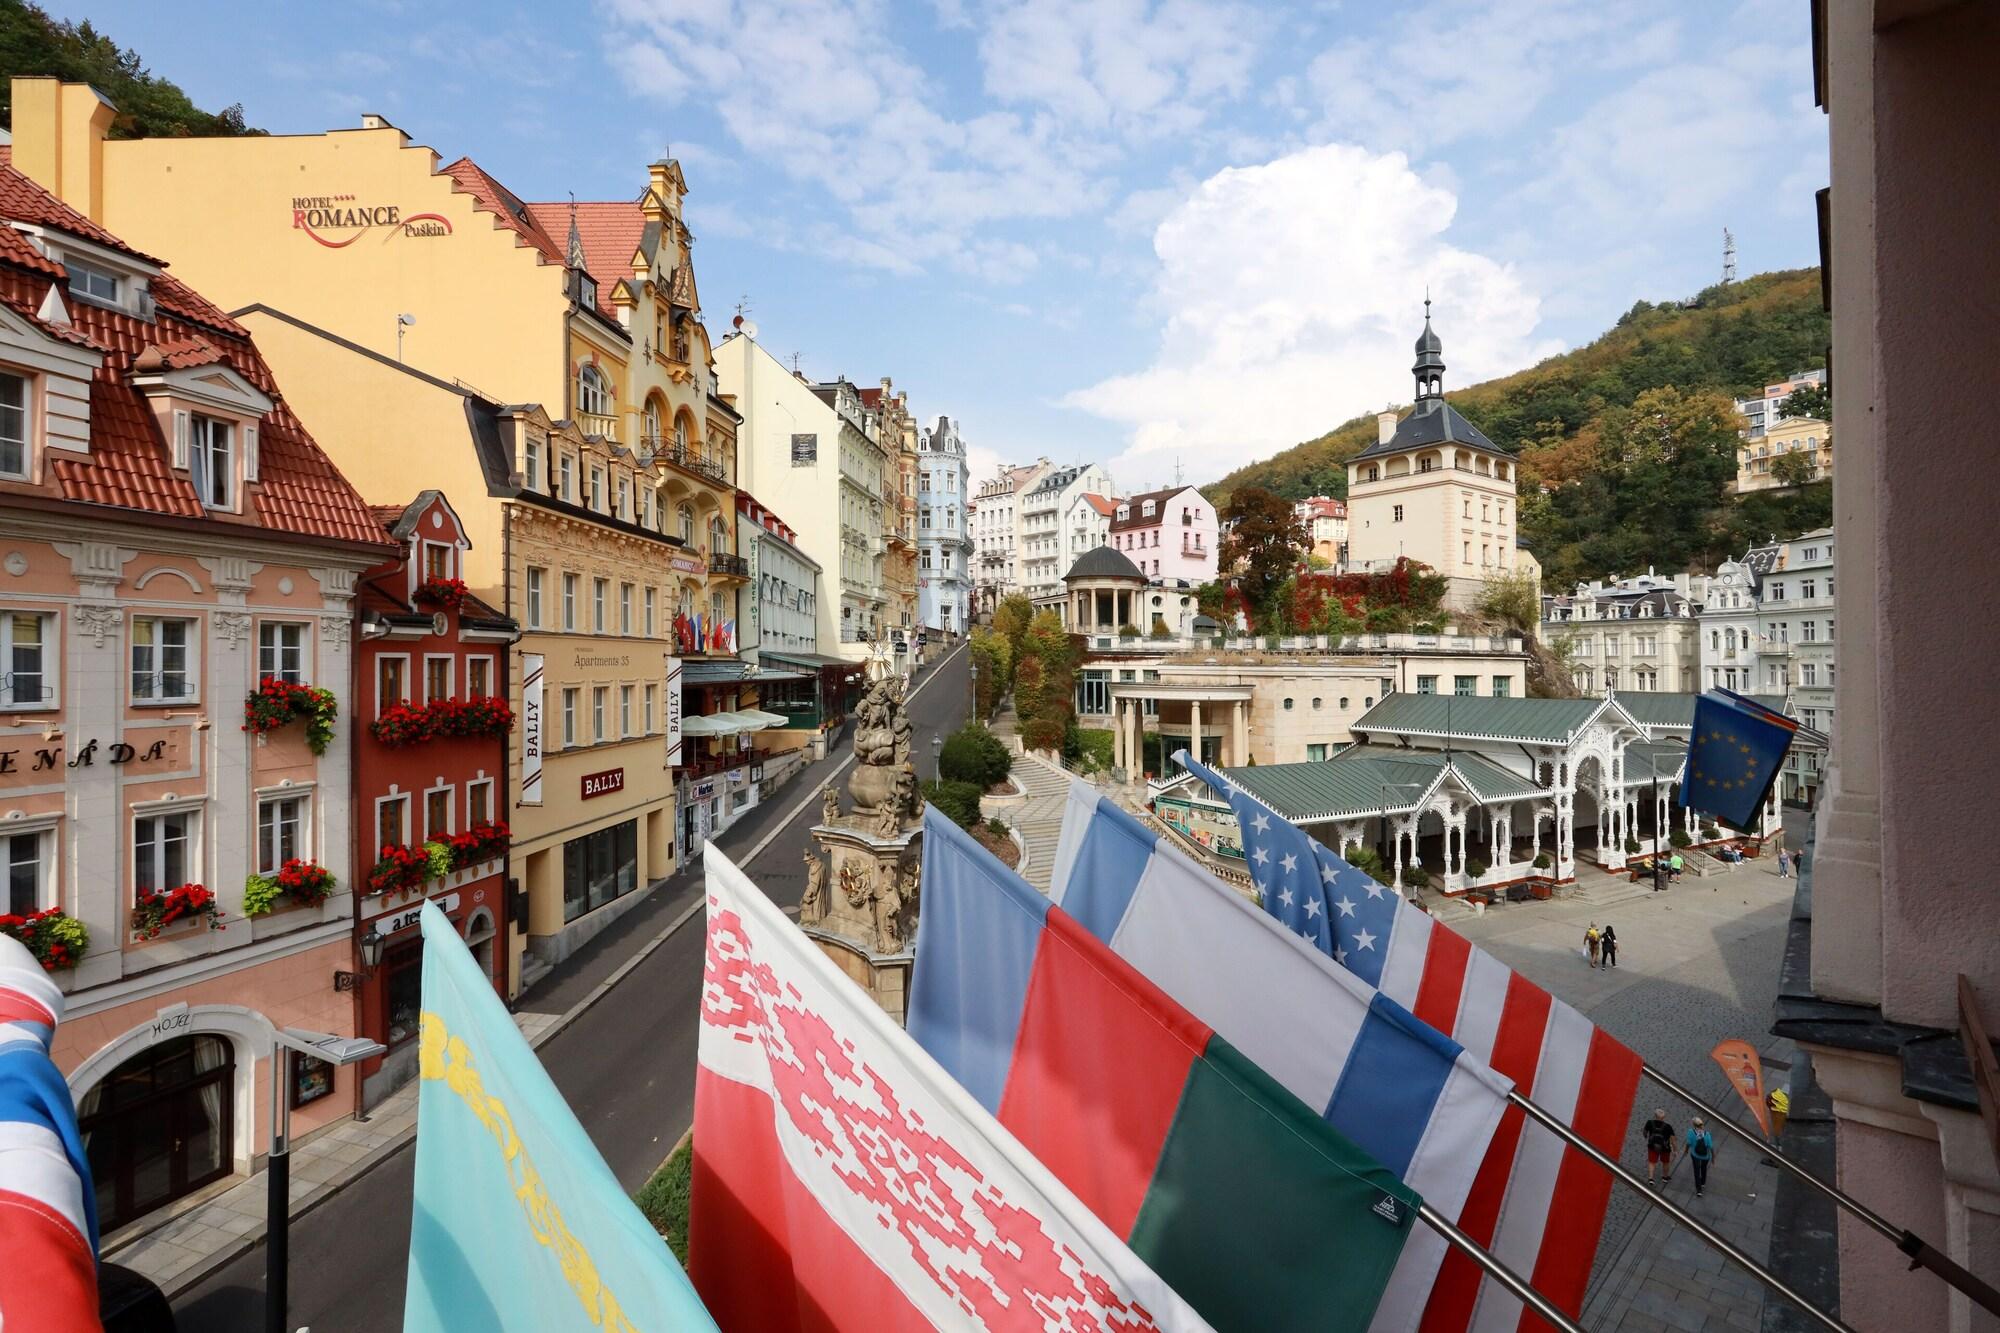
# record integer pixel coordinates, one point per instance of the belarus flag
(843, 1181)
(1257, 1211)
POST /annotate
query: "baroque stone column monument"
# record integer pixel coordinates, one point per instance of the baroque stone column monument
(860, 902)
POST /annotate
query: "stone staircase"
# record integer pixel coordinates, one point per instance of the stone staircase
(1039, 817)
(1601, 889)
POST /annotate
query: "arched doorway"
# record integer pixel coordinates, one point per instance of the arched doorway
(160, 1125)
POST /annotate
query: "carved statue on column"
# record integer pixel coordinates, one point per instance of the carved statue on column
(829, 804)
(813, 905)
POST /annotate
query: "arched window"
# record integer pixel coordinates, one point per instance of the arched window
(593, 391)
(680, 439)
(687, 524)
(718, 537)
(655, 429)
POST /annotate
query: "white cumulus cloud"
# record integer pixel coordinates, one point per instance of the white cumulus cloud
(1290, 295)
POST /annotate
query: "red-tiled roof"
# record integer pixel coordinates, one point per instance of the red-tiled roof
(871, 397)
(21, 200)
(15, 248)
(298, 488)
(610, 232)
(505, 205)
(1102, 505)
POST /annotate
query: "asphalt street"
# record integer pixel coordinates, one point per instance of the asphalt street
(626, 1065)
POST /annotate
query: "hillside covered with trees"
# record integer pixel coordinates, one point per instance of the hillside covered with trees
(31, 42)
(1626, 444)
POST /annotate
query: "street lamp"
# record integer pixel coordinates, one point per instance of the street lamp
(334, 1050)
(937, 758)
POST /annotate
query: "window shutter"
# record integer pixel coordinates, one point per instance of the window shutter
(249, 453)
(181, 425)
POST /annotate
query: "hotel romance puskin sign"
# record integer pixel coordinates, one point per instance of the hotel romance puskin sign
(337, 221)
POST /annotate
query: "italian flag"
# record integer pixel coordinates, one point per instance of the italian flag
(1256, 1210)
(842, 1180)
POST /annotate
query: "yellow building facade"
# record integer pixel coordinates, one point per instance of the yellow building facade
(898, 436)
(543, 364)
(1756, 459)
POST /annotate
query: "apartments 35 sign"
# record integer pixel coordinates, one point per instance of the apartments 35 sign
(337, 221)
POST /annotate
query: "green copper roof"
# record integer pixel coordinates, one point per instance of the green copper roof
(1548, 721)
(1365, 779)
(1648, 760)
(1675, 710)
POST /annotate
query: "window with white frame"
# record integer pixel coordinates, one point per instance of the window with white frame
(163, 659)
(14, 419)
(392, 820)
(478, 801)
(624, 499)
(163, 850)
(531, 465)
(281, 651)
(536, 577)
(593, 391)
(598, 697)
(437, 814)
(479, 677)
(569, 582)
(565, 477)
(596, 500)
(652, 701)
(438, 560)
(624, 710)
(30, 872)
(91, 281)
(437, 677)
(281, 831)
(652, 611)
(211, 461)
(624, 608)
(392, 682)
(599, 588)
(569, 715)
(687, 524)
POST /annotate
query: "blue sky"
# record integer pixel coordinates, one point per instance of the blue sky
(1158, 233)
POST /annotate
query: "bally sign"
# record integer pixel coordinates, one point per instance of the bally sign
(603, 784)
(673, 712)
(531, 729)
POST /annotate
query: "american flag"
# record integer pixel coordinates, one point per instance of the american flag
(1536, 1203)
(48, 1212)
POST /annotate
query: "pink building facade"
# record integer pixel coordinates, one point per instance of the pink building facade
(1168, 534)
(173, 546)
(1901, 901)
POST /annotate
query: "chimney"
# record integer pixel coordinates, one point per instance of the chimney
(1385, 427)
(59, 131)
(371, 121)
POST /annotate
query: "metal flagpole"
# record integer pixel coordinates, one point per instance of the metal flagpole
(1920, 1252)
(1500, 1273)
(1675, 1211)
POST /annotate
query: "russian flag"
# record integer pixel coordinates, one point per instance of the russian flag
(48, 1210)
(1240, 1196)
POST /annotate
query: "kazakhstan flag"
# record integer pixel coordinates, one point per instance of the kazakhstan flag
(518, 1224)
(1734, 753)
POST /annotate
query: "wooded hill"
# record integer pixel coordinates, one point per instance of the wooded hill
(1626, 443)
(32, 42)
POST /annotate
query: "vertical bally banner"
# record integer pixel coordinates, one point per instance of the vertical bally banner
(673, 711)
(531, 729)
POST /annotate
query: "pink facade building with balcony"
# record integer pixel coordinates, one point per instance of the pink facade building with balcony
(1168, 534)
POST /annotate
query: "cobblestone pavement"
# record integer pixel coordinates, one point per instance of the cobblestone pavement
(1696, 964)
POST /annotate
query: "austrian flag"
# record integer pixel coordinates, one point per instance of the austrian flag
(843, 1180)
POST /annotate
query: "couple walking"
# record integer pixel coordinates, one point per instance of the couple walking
(1698, 1149)
(1601, 945)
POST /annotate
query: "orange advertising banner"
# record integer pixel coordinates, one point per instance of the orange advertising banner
(1739, 1061)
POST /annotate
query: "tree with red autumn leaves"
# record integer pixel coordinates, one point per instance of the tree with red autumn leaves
(1263, 546)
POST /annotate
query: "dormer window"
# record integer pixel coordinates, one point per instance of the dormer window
(88, 280)
(438, 560)
(597, 488)
(565, 478)
(13, 426)
(211, 461)
(1146, 510)
(531, 464)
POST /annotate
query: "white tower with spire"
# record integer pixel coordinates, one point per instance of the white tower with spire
(1435, 490)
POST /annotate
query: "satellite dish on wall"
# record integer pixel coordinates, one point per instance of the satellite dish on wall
(745, 326)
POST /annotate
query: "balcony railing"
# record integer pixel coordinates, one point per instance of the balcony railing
(729, 564)
(597, 423)
(684, 456)
(1305, 643)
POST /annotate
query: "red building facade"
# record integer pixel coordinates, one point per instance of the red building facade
(430, 776)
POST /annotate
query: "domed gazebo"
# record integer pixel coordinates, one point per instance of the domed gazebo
(1103, 590)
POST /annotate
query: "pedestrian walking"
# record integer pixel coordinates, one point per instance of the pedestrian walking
(1591, 940)
(1784, 865)
(1674, 866)
(1701, 1151)
(1607, 944)
(1659, 1133)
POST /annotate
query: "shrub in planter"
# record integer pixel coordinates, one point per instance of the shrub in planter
(1679, 838)
(260, 894)
(959, 800)
(1709, 833)
(437, 859)
(154, 912)
(997, 827)
(1631, 845)
(447, 593)
(1369, 862)
(57, 941)
(1475, 869)
(974, 754)
(1416, 877)
(278, 703)
(1543, 861)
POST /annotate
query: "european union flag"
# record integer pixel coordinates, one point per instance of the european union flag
(1734, 753)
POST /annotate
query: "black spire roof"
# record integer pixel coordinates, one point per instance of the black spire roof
(1434, 421)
